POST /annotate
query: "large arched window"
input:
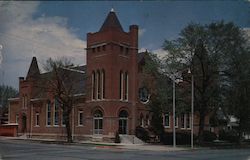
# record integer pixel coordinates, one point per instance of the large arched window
(126, 83)
(98, 76)
(103, 84)
(121, 85)
(56, 112)
(123, 122)
(98, 122)
(93, 85)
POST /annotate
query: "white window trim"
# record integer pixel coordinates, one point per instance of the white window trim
(176, 121)
(36, 124)
(17, 118)
(78, 119)
(142, 122)
(164, 116)
(184, 121)
(54, 114)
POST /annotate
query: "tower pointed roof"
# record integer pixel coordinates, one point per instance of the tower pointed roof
(111, 22)
(33, 70)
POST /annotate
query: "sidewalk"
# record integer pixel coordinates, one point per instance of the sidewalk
(104, 145)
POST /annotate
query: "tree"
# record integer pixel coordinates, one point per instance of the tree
(6, 92)
(237, 88)
(63, 83)
(201, 48)
(161, 89)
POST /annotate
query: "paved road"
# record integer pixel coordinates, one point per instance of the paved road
(26, 150)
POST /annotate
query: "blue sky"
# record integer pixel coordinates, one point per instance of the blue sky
(58, 28)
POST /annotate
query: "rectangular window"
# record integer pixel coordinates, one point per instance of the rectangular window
(176, 121)
(48, 114)
(188, 120)
(56, 112)
(183, 126)
(127, 50)
(121, 49)
(166, 121)
(80, 118)
(17, 118)
(37, 120)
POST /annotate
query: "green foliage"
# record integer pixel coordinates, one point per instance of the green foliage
(209, 136)
(157, 111)
(208, 50)
(142, 133)
(230, 136)
(182, 138)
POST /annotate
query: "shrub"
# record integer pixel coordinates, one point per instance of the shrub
(209, 136)
(230, 136)
(142, 133)
(117, 138)
(182, 138)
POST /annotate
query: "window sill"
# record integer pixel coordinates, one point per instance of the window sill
(166, 126)
(80, 126)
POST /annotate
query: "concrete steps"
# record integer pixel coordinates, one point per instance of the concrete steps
(130, 139)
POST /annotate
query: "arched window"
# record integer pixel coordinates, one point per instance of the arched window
(141, 120)
(121, 85)
(103, 84)
(123, 122)
(93, 85)
(147, 120)
(98, 76)
(126, 86)
(56, 112)
(98, 122)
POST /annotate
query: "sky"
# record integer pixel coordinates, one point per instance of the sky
(58, 28)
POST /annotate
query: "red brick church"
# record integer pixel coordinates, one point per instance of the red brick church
(108, 100)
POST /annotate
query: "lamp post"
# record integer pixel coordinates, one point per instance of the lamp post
(174, 134)
(192, 109)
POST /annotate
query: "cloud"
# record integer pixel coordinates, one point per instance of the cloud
(23, 37)
(160, 53)
(141, 31)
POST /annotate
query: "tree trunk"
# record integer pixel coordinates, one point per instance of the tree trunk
(201, 127)
(68, 128)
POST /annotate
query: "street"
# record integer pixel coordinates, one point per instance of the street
(27, 150)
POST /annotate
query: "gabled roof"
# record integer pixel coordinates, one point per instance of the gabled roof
(74, 77)
(33, 70)
(111, 22)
